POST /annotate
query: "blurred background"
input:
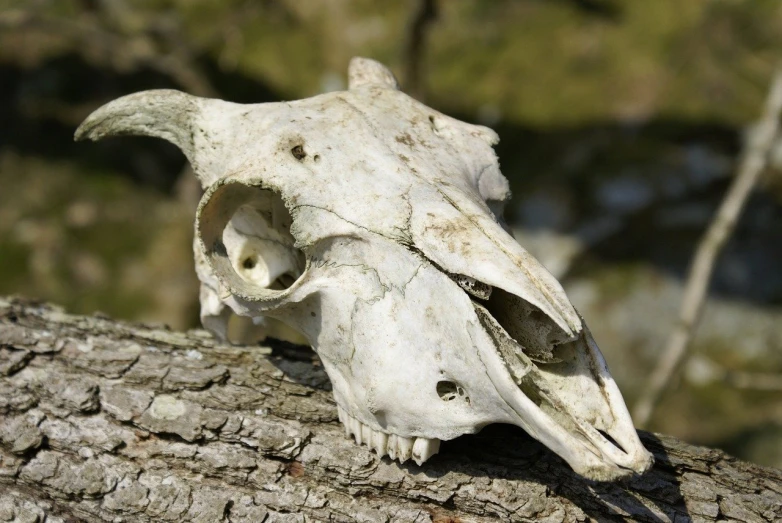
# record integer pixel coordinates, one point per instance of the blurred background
(620, 122)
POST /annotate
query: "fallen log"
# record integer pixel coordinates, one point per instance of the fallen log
(102, 420)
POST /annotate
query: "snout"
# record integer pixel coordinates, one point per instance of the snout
(438, 355)
(568, 402)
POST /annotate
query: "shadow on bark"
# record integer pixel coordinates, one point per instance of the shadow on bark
(488, 454)
(495, 446)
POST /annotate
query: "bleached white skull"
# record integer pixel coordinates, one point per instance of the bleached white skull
(370, 222)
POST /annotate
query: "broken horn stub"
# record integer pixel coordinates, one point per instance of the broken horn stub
(365, 71)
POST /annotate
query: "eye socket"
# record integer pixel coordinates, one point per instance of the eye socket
(246, 235)
(449, 391)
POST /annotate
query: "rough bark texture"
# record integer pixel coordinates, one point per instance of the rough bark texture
(102, 420)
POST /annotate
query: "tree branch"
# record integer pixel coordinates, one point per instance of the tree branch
(102, 420)
(423, 15)
(157, 44)
(753, 162)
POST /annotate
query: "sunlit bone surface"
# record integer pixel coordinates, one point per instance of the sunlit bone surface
(370, 222)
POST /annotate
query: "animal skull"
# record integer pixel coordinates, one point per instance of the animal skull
(371, 223)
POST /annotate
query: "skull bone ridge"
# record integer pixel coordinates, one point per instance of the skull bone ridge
(371, 223)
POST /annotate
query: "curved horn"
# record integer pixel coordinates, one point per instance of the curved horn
(165, 113)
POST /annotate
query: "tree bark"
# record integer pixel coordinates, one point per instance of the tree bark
(103, 420)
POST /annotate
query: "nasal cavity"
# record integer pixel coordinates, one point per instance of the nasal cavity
(611, 440)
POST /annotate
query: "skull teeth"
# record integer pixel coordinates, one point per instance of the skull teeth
(396, 447)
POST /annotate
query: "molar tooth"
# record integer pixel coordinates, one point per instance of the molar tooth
(404, 448)
(348, 425)
(425, 448)
(396, 447)
(366, 435)
(380, 443)
(391, 446)
(349, 428)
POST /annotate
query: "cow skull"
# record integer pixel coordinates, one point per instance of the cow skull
(371, 223)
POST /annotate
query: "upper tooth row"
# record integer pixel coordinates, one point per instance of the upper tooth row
(397, 447)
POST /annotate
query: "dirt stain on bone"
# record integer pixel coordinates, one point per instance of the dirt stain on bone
(405, 139)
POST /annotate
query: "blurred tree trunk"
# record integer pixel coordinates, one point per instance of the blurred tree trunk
(102, 420)
(424, 14)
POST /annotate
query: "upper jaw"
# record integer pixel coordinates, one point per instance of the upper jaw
(572, 405)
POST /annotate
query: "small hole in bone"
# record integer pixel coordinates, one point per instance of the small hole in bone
(449, 391)
(316, 158)
(473, 287)
(284, 281)
(248, 263)
(219, 248)
(298, 152)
